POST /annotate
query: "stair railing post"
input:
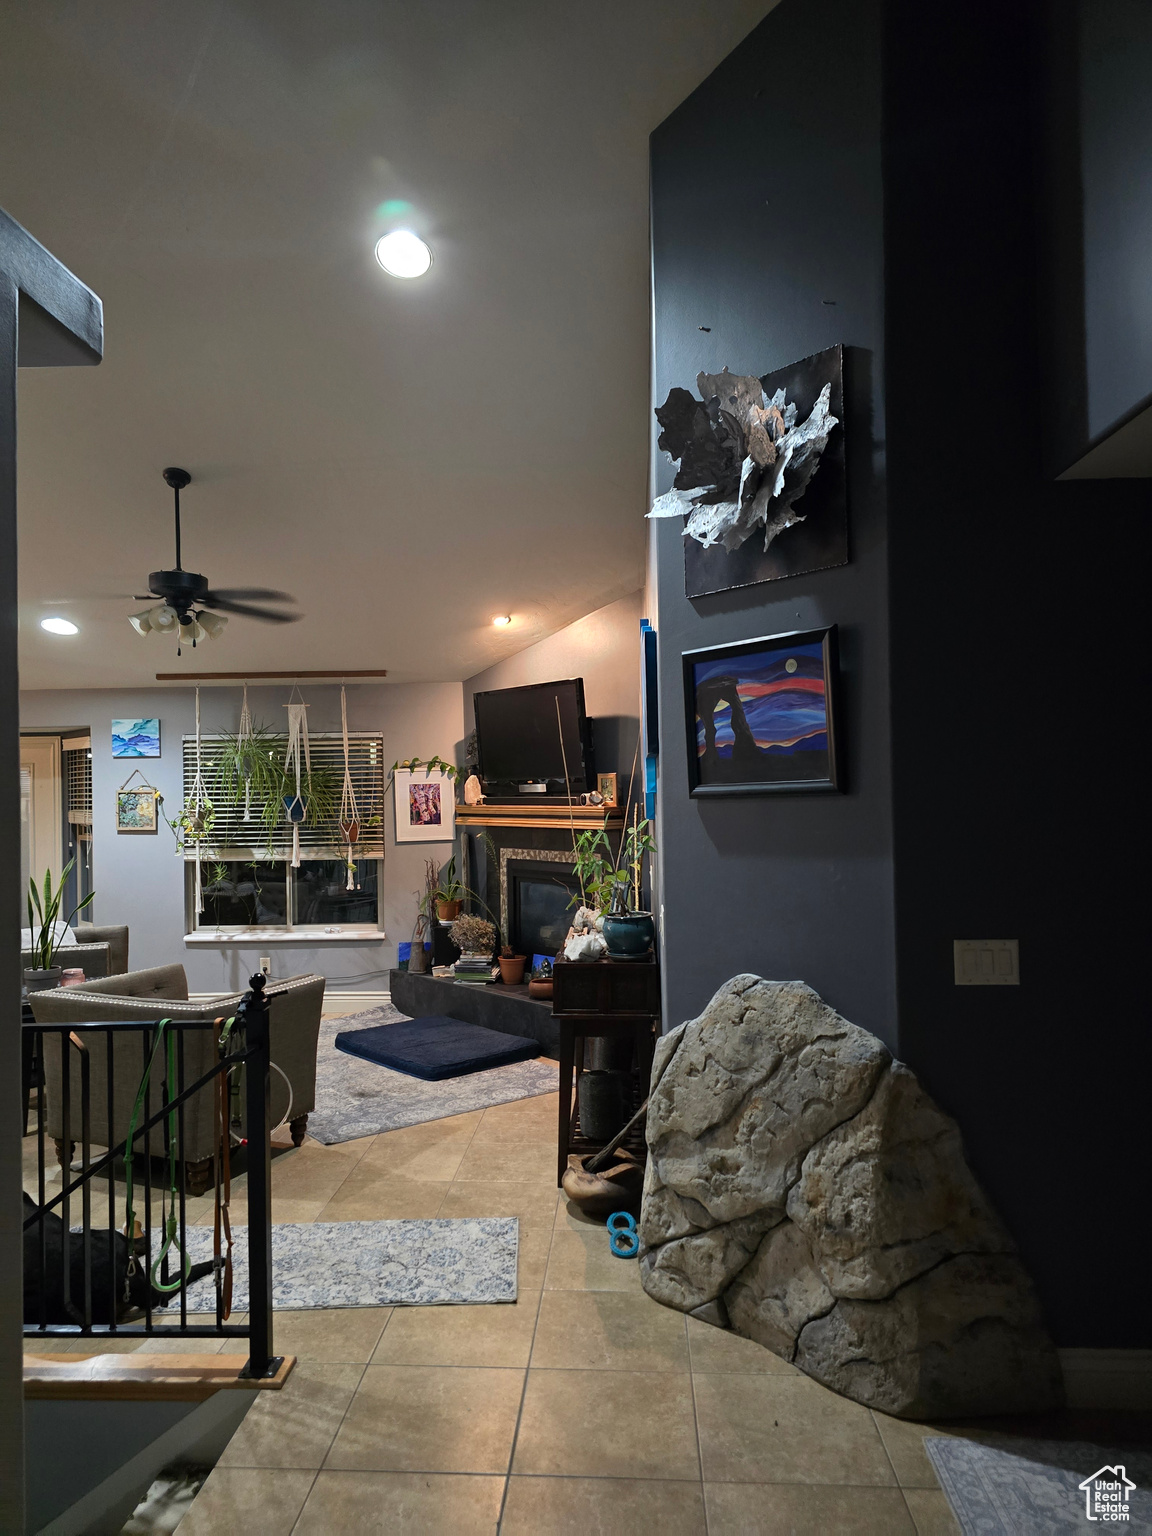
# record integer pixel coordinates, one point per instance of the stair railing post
(257, 1072)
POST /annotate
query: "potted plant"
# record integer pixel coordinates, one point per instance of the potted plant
(511, 967)
(474, 937)
(450, 893)
(43, 921)
(629, 932)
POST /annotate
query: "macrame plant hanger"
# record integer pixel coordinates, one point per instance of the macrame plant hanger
(244, 742)
(195, 808)
(349, 813)
(297, 757)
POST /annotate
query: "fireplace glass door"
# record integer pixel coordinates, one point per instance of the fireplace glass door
(542, 901)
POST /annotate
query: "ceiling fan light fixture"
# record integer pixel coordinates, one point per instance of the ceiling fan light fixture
(190, 632)
(212, 624)
(141, 622)
(163, 619)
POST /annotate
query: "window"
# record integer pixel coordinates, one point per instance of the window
(246, 878)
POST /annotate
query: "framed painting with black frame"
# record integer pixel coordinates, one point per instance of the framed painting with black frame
(761, 716)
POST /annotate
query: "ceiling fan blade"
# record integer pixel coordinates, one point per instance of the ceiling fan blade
(251, 594)
(225, 605)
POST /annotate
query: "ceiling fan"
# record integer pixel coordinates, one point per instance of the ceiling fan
(188, 606)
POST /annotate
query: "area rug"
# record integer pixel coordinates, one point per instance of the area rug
(432, 1263)
(1015, 1487)
(436, 1048)
(358, 1098)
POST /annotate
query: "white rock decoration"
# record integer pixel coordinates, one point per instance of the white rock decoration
(804, 1190)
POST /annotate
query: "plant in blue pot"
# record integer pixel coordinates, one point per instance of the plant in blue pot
(628, 931)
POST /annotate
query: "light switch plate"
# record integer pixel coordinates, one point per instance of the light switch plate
(986, 962)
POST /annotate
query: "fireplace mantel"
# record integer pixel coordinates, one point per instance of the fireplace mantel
(559, 818)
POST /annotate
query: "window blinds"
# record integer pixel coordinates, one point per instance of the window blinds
(231, 837)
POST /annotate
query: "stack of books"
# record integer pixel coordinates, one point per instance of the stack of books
(473, 969)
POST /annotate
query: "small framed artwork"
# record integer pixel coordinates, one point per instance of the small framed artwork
(136, 809)
(761, 716)
(135, 738)
(425, 806)
(606, 787)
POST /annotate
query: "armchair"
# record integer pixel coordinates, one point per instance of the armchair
(115, 935)
(294, 1026)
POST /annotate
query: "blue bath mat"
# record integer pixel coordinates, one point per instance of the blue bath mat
(436, 1048)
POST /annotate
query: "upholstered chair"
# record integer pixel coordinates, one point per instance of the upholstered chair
(294, 1008)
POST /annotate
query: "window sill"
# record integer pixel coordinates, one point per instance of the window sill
(311, 936)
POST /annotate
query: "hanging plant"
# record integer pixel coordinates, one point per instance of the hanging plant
(247, 768)
(349, 810)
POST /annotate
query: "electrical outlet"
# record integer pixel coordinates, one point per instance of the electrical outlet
(986, 962)
(266, 964)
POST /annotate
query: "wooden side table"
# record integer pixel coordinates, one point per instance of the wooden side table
(606, 999)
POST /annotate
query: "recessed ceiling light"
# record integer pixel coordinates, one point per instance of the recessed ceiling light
(403, 254)
(502, 620)
(59, 626)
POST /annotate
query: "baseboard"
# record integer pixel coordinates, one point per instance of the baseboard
(354, 1002)
(1108, 1378)
(340, 1002)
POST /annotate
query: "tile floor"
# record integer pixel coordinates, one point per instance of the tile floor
(583, 1408)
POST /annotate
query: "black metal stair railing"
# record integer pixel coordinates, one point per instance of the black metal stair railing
(76, 1275)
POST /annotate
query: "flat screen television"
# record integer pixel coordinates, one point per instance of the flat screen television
(518, 736)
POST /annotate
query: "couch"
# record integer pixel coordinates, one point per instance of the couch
(115, 935)
(294, 1008)
(93, 958)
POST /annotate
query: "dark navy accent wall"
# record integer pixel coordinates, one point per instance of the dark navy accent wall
(895, 160)
(767, 228)
(1018, 681)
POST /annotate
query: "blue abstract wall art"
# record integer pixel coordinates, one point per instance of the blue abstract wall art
(135, 738)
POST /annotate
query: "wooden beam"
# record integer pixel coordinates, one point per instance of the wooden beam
(47, 317)
(61, 320)
(556, 818)
(257, 677)
(142, 1378)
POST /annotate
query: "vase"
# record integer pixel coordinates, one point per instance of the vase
(629, 937)
(41, 981)
(603, 1103)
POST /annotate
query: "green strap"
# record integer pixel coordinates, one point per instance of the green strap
(165, 1038)
(169, 1225)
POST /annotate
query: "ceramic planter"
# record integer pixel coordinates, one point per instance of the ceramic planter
(448, 911)
(41, 981)
(350, 831)
(512, 969)
(540, 989)
(295, 808)
(629, 937)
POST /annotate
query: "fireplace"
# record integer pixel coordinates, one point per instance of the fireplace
(537, 888)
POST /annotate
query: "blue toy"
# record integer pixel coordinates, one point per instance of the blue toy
(622, 1235)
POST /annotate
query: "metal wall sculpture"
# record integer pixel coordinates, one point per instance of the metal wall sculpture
(749, 450)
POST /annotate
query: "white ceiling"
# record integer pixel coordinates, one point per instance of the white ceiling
(407, 458)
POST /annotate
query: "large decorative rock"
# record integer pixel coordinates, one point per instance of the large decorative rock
(802, 1186)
